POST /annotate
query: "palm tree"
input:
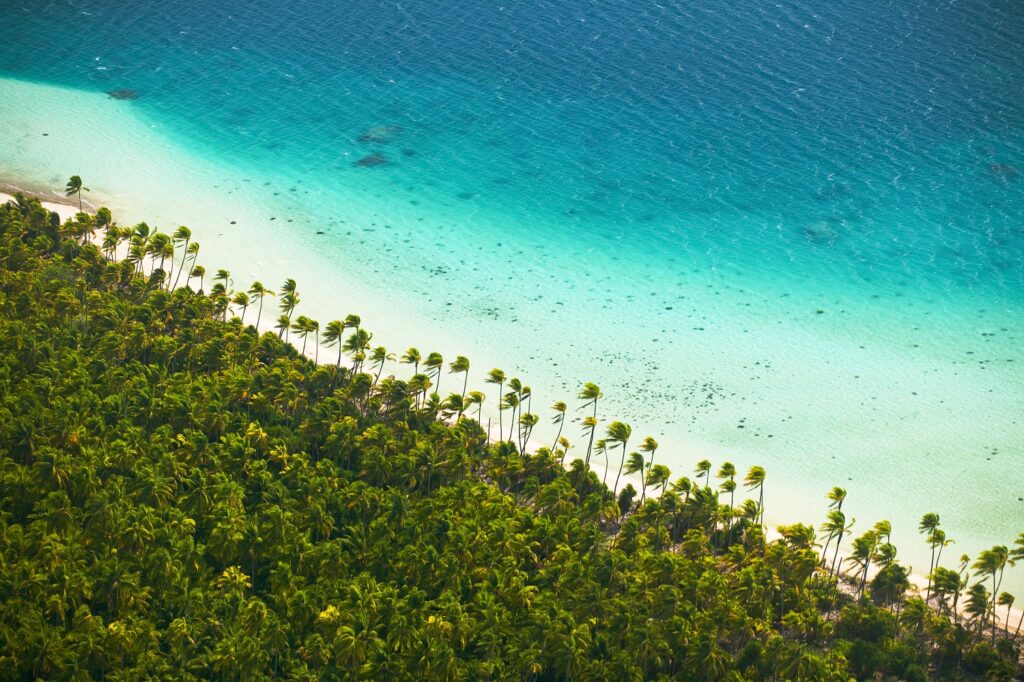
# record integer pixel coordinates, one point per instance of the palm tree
(836, 527)
(728, 471)
(334, 332)
(476, 398)
(496, 376)
(637, 464)
(836, 497)
(434, 364)
(649, 446)
(510, 402)
(755, 479)
(303, 327)
(1006, 599)
(619, 433)
(526, 423)
(289, 301)
(1017, 554)
(75, 187)
(380, 356)
(356, 346)
(412, 357)
(461, 365)
(929, 524)
(200, 272)
(992, 562)
(590, 394)
(181, 236)
(258, 292)
(192, 250)
(559, 407)
(241, 299)
(864, 549)
(703, 468)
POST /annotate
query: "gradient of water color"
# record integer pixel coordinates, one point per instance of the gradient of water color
(790, 235)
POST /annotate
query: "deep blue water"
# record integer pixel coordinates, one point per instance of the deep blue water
(870, 142)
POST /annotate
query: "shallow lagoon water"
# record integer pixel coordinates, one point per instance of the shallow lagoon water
(788, 236)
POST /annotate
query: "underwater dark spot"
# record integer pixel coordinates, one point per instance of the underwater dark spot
(465, 195)
(408, 152)
(1003, 171)
(380, 134)
(371, 160)
(123, 93)
(820, 232)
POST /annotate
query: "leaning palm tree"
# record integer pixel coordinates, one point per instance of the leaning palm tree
(992, 563)
(496, 376)
(75, 187)
(461, 366)
(650, 446)
(334, 332)
(1006, 599)
(282, 323)
(619, 433)
(637, 464)
(476, 398)
(412, 357)
(755, 479)
(836, 497)
(379, 356)
(181, 237)
(192, 250)
(510, 402)
(200, 272)
(703, 468)
(289, 301)
(728, 471)
(241, 299)
(559, 407)
(356, 346)
(258, 292)
(434, 364)
(303, 327)
(590, 394)
(929, 524)
(526, 423)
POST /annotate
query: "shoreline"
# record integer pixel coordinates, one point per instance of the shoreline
(67, 210)
(706, 361)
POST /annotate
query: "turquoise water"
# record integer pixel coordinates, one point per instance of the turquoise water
(790, 235)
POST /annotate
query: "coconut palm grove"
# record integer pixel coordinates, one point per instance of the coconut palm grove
(186, 497)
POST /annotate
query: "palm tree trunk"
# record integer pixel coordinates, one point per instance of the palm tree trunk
(835, 559)
(182, 266)
(501, 428)
(259, 313)
(560, 425)
(622, 462)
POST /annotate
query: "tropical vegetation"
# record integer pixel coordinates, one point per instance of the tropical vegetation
(187, 496)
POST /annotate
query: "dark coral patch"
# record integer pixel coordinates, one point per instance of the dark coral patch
(123, 93)
(371, 160)
(380, 134)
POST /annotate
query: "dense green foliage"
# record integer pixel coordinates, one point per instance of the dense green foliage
(183, 497)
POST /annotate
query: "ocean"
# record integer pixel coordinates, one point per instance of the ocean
(786, 234)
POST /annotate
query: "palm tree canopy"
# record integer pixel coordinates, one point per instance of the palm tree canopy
(754, 477)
